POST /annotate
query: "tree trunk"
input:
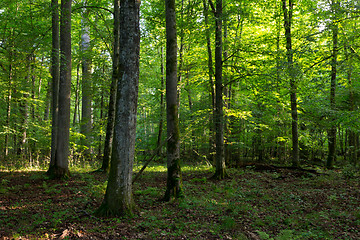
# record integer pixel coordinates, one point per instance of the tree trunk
(118, 199)
(293, 85)
(161, 121)
(60, 167)
(55, 74)
(220, 172)
(332, 131)
(76, 107)
(211, 84)
(174, 178)
(86, 112)
(111, 111)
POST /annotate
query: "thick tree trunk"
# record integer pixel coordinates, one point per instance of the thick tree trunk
(111, 111)
(174, 177)
(86, 112)
(60, 167)
(118, 199)
(288, 10)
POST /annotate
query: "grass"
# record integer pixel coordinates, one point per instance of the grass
(249, 205)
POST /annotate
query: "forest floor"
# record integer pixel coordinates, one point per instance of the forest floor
(251, 204)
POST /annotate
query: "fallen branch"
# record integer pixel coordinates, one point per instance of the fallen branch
(149, 160)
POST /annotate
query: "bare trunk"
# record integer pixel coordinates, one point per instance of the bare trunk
(332, 130)
(55, 74)
(86, 112)
(288, 10)
(118, 199)
(220, 172)
(161, 121)
(111, 111)
(60, 167)
(174, 177)
(211, 84)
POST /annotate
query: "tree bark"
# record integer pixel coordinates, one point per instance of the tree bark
(220, 172)
(288, 10)
(332, 131)
(211, 84)
(86, 112)
(55, 74)
(118, 199)
(174, 177)
(111, 111)
(161, 121)
(60, 167)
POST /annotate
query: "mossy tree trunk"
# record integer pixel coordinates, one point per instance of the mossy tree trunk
(174, 178)
(118, 199)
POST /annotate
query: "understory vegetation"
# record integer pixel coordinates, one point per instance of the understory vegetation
(254, 203)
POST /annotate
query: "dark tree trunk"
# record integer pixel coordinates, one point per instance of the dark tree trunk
(111, 110)
(118, 199)
(332, 131)
(60, 167)
(220, 172)
(211, 84)
(55, 74)
(174, 177)
(161, 121)
(288, 10)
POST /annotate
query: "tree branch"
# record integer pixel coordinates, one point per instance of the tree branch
(96, 7)
(212, 6)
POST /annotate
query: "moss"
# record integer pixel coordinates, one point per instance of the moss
(174, 189)
(220, 174)
(106, 211)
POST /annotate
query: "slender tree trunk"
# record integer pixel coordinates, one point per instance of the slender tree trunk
(288, 10)
(211, 84)
(55, 74)
(174, 177)
(118, 199)
(60, 167)
(76, 107)
(111, 110)
(332, 131)
(161, 121)
(220, 172)
(86, 112)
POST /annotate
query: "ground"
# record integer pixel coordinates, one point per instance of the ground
(252, 204)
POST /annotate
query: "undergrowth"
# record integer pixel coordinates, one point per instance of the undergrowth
(249, 205)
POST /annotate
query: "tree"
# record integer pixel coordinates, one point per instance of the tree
(220, 172)
(174, 178)
(332, 131)
(111, 109)
(59, 165)
(288, 13)
(118, 199)
(86, 112)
